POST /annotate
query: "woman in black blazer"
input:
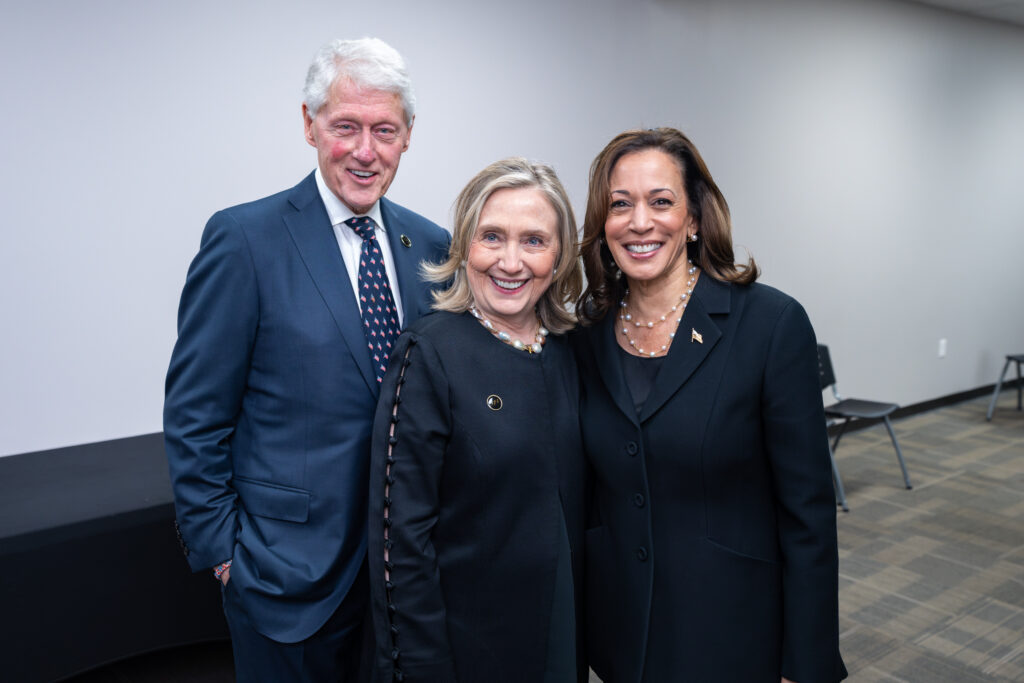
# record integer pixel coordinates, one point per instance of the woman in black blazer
(712, 549)
(477, 469)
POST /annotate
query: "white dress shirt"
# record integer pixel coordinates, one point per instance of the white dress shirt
(351, 244)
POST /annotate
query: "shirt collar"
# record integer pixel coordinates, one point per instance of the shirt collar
(338, 212)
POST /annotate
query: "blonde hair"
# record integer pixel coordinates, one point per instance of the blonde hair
(567, 282)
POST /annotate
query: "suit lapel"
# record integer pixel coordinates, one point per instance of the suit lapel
(606, 354)
(687, 353)
(414, 304)
(311, 231)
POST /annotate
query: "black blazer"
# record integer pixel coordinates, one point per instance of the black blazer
(713, 556)
(462, 589)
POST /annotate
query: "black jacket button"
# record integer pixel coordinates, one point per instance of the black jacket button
(641, 554)
(632, 448)
(638, 500)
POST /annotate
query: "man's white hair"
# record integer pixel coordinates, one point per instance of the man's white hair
(368, 63)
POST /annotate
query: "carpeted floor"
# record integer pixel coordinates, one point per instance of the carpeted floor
(931, 585)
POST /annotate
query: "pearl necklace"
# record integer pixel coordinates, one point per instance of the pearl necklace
(626, 317)
(536, 347)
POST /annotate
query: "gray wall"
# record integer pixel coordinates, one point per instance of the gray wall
(872, 152)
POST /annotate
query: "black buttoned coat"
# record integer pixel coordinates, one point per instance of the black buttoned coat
(476, 458)
(712, 555)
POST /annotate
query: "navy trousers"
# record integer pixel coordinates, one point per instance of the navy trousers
(339, 652)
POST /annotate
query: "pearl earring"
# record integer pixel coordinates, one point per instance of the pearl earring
(693, 237)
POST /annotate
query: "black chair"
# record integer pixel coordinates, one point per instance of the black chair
(853, 408)
(1017, 358)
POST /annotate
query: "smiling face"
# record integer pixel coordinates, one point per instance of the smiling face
(359, 137)
(512, 256)
(648, 222)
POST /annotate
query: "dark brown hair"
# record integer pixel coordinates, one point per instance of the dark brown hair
(713, 251)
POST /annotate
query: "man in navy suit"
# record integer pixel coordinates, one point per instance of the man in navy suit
(274, 378)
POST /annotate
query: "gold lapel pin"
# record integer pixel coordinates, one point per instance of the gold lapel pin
(406, 242)
(695, 336)
(494, 402)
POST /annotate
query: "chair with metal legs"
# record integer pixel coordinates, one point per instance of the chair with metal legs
(1017, 358)
(854, 408)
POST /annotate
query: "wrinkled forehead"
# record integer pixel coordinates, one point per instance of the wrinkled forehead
(348, 91)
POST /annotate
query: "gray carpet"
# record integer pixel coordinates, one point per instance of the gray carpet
(932, 580)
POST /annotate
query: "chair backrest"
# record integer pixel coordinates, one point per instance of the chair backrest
(825, 374)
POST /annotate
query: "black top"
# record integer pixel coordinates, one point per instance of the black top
(477, 476)
(640, 372)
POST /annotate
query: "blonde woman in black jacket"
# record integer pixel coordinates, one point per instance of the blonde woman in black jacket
(477, 471)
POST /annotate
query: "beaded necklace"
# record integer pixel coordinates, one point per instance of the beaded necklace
(538, 341)
(679, 307)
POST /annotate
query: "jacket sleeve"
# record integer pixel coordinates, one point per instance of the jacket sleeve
(206, 381)
(797, 446)
(411, 432)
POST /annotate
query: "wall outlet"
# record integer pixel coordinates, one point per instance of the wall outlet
(942, 348)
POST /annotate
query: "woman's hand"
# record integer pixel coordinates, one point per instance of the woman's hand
(786, 680)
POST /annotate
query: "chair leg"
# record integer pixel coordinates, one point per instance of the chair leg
(839, 435)
(1018, 387)
(899, 453)
(995, 394)
(838, 482)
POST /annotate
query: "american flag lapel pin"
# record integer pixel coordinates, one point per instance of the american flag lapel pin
(695, 336)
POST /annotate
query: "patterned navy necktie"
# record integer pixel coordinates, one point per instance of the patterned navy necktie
(380, 316)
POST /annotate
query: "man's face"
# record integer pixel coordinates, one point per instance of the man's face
(359, 137)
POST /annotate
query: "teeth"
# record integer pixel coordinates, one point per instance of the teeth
(362, 174)
(508, 284)
(643, 248)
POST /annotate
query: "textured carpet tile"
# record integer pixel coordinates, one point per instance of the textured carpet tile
(932, 579)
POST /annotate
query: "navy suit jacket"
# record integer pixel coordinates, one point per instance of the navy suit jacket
(270, 401)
